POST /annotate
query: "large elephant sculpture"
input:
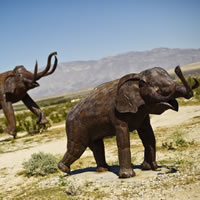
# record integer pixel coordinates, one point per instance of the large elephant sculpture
(13, 88)
(118, 107)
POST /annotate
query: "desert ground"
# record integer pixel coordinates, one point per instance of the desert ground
(178, 157)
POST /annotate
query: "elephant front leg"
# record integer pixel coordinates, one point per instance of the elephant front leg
(124, 153)
(10, 116)
(146, 134)
(34, 108)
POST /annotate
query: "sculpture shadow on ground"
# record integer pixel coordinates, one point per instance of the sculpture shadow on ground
(115, 169)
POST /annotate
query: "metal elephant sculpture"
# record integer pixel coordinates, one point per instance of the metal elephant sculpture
(13, 88)
(118, 107)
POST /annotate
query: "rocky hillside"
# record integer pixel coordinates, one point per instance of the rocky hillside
(71, 76)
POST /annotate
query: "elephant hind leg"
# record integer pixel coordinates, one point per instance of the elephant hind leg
(98, 150)
(74, 152)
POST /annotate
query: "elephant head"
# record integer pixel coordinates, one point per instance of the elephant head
(153, 89)
(20, 80)
(13, 88)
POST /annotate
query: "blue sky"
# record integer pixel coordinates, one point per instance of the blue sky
(92, 29)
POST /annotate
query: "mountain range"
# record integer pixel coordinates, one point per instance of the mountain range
(77, 75)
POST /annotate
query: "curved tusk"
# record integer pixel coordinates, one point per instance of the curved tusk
(54, 67)
(45, 71)
(35, 72)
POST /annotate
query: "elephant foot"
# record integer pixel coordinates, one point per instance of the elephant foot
(63, 167)
(126, 173)
(10, 132)
(42, 121)
(149, 166)
(102, 169)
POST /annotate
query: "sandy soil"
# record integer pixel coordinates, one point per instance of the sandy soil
(11, 162)
(172, 118)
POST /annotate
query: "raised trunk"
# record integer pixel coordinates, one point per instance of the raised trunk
(185, 90)
(153, 97)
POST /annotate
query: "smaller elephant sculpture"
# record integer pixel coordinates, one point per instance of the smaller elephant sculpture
(13, 88)
(118, 107)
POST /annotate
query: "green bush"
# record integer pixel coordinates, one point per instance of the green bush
(55, 110)
(168, 145)
(3, 124)
(31, 127)
(1, 129)
(40, 164)
(181, 142)
(55, 118)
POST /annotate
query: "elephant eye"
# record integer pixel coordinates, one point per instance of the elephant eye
(142, 83)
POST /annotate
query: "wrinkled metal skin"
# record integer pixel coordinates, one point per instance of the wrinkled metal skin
(13, 88)
(116, 108)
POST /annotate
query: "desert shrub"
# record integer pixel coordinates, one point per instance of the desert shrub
(53, 101)
(180, 142)
(197, 90)
(3, 124)
(1, 129)
(183, 143)
(168, 145)
(55, 118)
(40, 164)
(20, 126)
(32, 127)
(56, 110)
(27, 121)
(73, 189)
(62, 181)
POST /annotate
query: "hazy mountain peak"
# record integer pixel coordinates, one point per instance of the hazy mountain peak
(76, 75)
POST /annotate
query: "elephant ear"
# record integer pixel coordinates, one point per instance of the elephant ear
(10, 84)
(128, 97)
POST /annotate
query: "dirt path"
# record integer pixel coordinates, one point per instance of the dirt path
(11, 163)
(7, 137)
(171, 118)
(167, 119)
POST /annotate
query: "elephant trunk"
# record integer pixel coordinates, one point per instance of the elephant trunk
(154, 97)
(185, 90)
(45, 72)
